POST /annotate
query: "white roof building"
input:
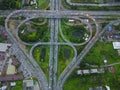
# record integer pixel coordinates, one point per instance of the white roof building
(4, 47)
(86, 71)
(93, 71)
(107, 87)
(3, 88)
(116, 45)
(29, 83)
(79, 72)
(13, 84)
(71, 20)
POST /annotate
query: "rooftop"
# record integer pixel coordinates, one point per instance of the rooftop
(11, 77)
(116, 45)
(4, 47)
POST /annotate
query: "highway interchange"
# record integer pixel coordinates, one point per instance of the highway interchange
(54, 15)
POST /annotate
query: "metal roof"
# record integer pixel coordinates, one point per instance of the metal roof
(4, 47)
(116, 45)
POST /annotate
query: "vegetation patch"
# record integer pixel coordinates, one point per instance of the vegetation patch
(96, 56)
(75, 34)
(41, 56)
(65, 56)
(34, 33)
(10, 4)
(19, 85)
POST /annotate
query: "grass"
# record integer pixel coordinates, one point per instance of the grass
(69, 31)
(42, 60)
(19, 85)
(101, 50)
(28, 48)
(40, 33)
(2, 21)
(95, 57)
(2, 39)
(63, 60)
(43, 4)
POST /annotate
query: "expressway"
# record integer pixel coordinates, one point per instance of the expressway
(87, 4)
(79, 58)
(31, 64)
(55, 15)
(65, 74)
(68, 70)
(48, 13)
(54, 6)
(51, 55)
(89, 27)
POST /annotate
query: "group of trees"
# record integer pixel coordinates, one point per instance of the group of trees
(38, 35)
(10, 4)
(74, 33)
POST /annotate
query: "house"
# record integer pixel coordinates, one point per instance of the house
(91, 71)
(3, 88)
(86, 71)
(107, 87)
(13, 84)
(30, 85)
(27, 1)
(80, 72)
(11, 77)
(71, 20)
(33, 2)
(116, 45)
(109, 28)
(4, 47)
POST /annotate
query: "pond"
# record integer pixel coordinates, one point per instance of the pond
(67, 53)
(77, 33)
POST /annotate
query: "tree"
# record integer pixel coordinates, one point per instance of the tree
(10, 4)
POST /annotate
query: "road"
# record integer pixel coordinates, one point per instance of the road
(54, 15)
(30, 64)
(79, 58)
(48, 13)
(100, 5)
(54, 22)
(51, 55)
(68, 70)
(89, 27)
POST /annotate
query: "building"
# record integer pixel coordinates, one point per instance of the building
(91, 71)
(33, 2)
(109, 28)
(4, 47)
(71, 20)
(11, 77)
(107, 87)
(13, 84)
(30, 85)
(85, 71)
(116, 45)
(27, 2)
(3, 88)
